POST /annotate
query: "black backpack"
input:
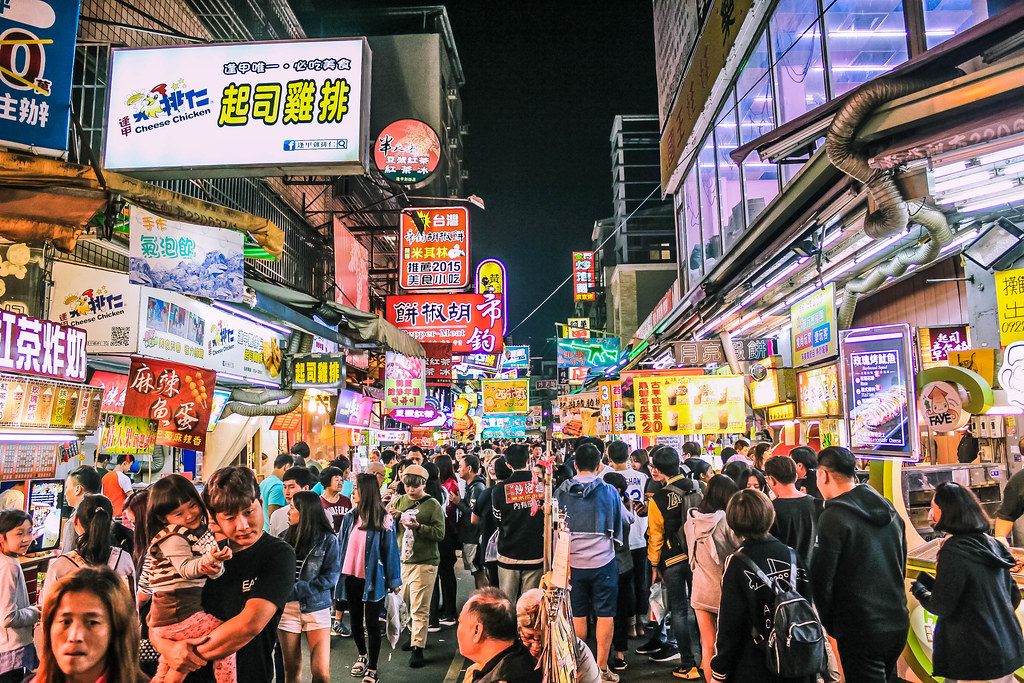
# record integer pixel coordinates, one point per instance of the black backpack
(796, 642)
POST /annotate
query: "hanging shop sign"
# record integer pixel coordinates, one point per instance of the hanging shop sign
(818, 392)
(583, 276)
(613, 420)
(404, 381)
(391, 435)
(177, 396)
(492, 278)
(770, 384)
(415, 416)
(220, 399)
(1011, 374)
(699, 353)
(516, 358)
(114, 387)
(503, 427)
(600, 353)
(546, 384)
(439, 364)
(407, 151)
(471, 323)
(782, 412)
(124, 434)
(981, 361)
(20, 461)
(433, 249)
(1010, 305)
(505, 397)
(941, 407)
(688, 404)
(351, 268)
(578, 414)
(318, 370)
(936, 343)
(289, 422)
(104, 303)
(184, 257)
(43, 404)
(35, 73)
(41, 348)
(256, 109)
(877, 375)
(488, 362)
(354, 409)
(813, 320)
(567, 376)
(422, 437)
(180, 329)
(828, 433)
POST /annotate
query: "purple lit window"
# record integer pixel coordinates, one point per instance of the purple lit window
(709, 204)
(943, 19)
(796, 49)
(866, 38)
(730, 190)
(757, 117)
(690, 220)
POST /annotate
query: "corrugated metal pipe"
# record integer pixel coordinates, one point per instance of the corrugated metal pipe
(893, 213)
(252, 403)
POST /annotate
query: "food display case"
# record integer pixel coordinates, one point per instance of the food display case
(919, 484)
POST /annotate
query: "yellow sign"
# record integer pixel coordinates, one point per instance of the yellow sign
(781, 412)
(506, 396)
(981, 361)
(613, 420)
(689, 404)
(490, 277)
(1010, 305)
(709, 54)
(577, 328)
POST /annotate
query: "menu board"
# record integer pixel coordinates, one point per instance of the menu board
(289, 422)
(578, 414)
(818, 392)
(48, 405)
(688, 404)
(813, 320)
(27, 460)
(881, 418)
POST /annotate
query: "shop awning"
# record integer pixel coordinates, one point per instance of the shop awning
(51, 199)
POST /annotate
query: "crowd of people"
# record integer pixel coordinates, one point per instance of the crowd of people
(170, 583)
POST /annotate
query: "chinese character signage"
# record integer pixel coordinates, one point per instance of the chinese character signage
(433, 248)
(516, 358)
(504, 428)
(597, 352)
(129, 435)
(351, 268)
(35, 72)
(613, 419)
(583, 276)
(667, 403)
(818, 392)
(491, 278)
(505, 397)
(50, 405)
(814, 326)
(439, 364)
(416, 416)
(275, 108)
(41, 348)
(1010, 305)
(177, 396)
(101, 302)
(877, 378)
(114, 386)
(404, 381)
(936, 343)
(471, 323)
(699, 353)
(407, 151)
(318, 370)
(578, 414)
(354, 409)
(182, 257)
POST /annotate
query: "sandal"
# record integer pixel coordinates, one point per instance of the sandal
(359, 668)
(370, 677)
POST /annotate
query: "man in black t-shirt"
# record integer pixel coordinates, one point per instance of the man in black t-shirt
(795, 512)
(249, 596)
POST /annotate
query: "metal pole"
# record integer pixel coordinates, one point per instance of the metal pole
(548, 526)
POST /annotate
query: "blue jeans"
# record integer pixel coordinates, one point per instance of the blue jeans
(676, 580)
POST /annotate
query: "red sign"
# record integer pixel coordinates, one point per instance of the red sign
(351, 268)
(439, 364)
(471, 323)
(41, 348)
(178, 397)
(289, 422)
(423, 437)
(114, 387)
(407, 151)
(583, 275)
(433, 248)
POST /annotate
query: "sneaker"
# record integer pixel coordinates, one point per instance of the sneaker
(359, 668)
(609, 675)
(449, 621)
(337, 628)
(343, 631)
(417, 661)
(650, 647)
(618, 663)
(433, 628)
(690, 673)
(667, 653)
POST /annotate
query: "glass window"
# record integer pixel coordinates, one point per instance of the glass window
(796, 51)
(729, 189)
(757, 117)
(943, 19)
(709, 203)
(691, 222)
(866, 38)
(677, 201)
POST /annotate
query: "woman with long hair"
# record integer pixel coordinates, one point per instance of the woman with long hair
(371, 567)
(135, 517)
(318, 566)
(754, 479)
(759, 454)
(94, 524)
(444, 599)
(90, 631)
(977, 636)
(17, 653)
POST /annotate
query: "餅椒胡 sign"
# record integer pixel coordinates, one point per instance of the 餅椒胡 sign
(471, 323)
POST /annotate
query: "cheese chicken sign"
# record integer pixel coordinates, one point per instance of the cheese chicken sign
(471, 323)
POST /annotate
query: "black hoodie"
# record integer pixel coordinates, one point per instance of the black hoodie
(977, 636)
(858, 567)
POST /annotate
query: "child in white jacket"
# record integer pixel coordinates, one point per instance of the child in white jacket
(17, 654)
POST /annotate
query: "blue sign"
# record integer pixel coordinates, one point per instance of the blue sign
(599, 353)
(516, 357)
(37, 53)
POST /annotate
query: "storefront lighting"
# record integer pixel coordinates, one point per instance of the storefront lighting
(251, 318)
(985, 190)
(753, 295)
(35, 437)
(997, 247)
(832, 238)
(842, 270)
(747, 325)
(1001, 155)
(880, 246)
(943, 186)
(247, 380)
(778, 307)
(988, 202)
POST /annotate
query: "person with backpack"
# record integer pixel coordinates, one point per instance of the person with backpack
(763, 588)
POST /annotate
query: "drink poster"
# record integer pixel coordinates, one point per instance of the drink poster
(178, 397)
(613, 420)
(688, 404)
(126, 434)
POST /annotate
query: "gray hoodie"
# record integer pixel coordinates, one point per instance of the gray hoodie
(709, 541)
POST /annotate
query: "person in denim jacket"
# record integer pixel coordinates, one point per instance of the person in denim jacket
(317, 568)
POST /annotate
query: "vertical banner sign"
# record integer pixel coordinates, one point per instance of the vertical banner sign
(351, 270)
(186, 258)
(612, 417)
(439, 364)
(404, 381)
(583, 276)
(37, 52)
(178, 397)
(491, 278)
(101, 302)
(433, 248)
(813, 319)
(506, 397)
(1010, 305)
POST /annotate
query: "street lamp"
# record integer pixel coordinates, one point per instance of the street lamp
(998, 246)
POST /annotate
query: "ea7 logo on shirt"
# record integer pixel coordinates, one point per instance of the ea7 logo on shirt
(248, 584)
